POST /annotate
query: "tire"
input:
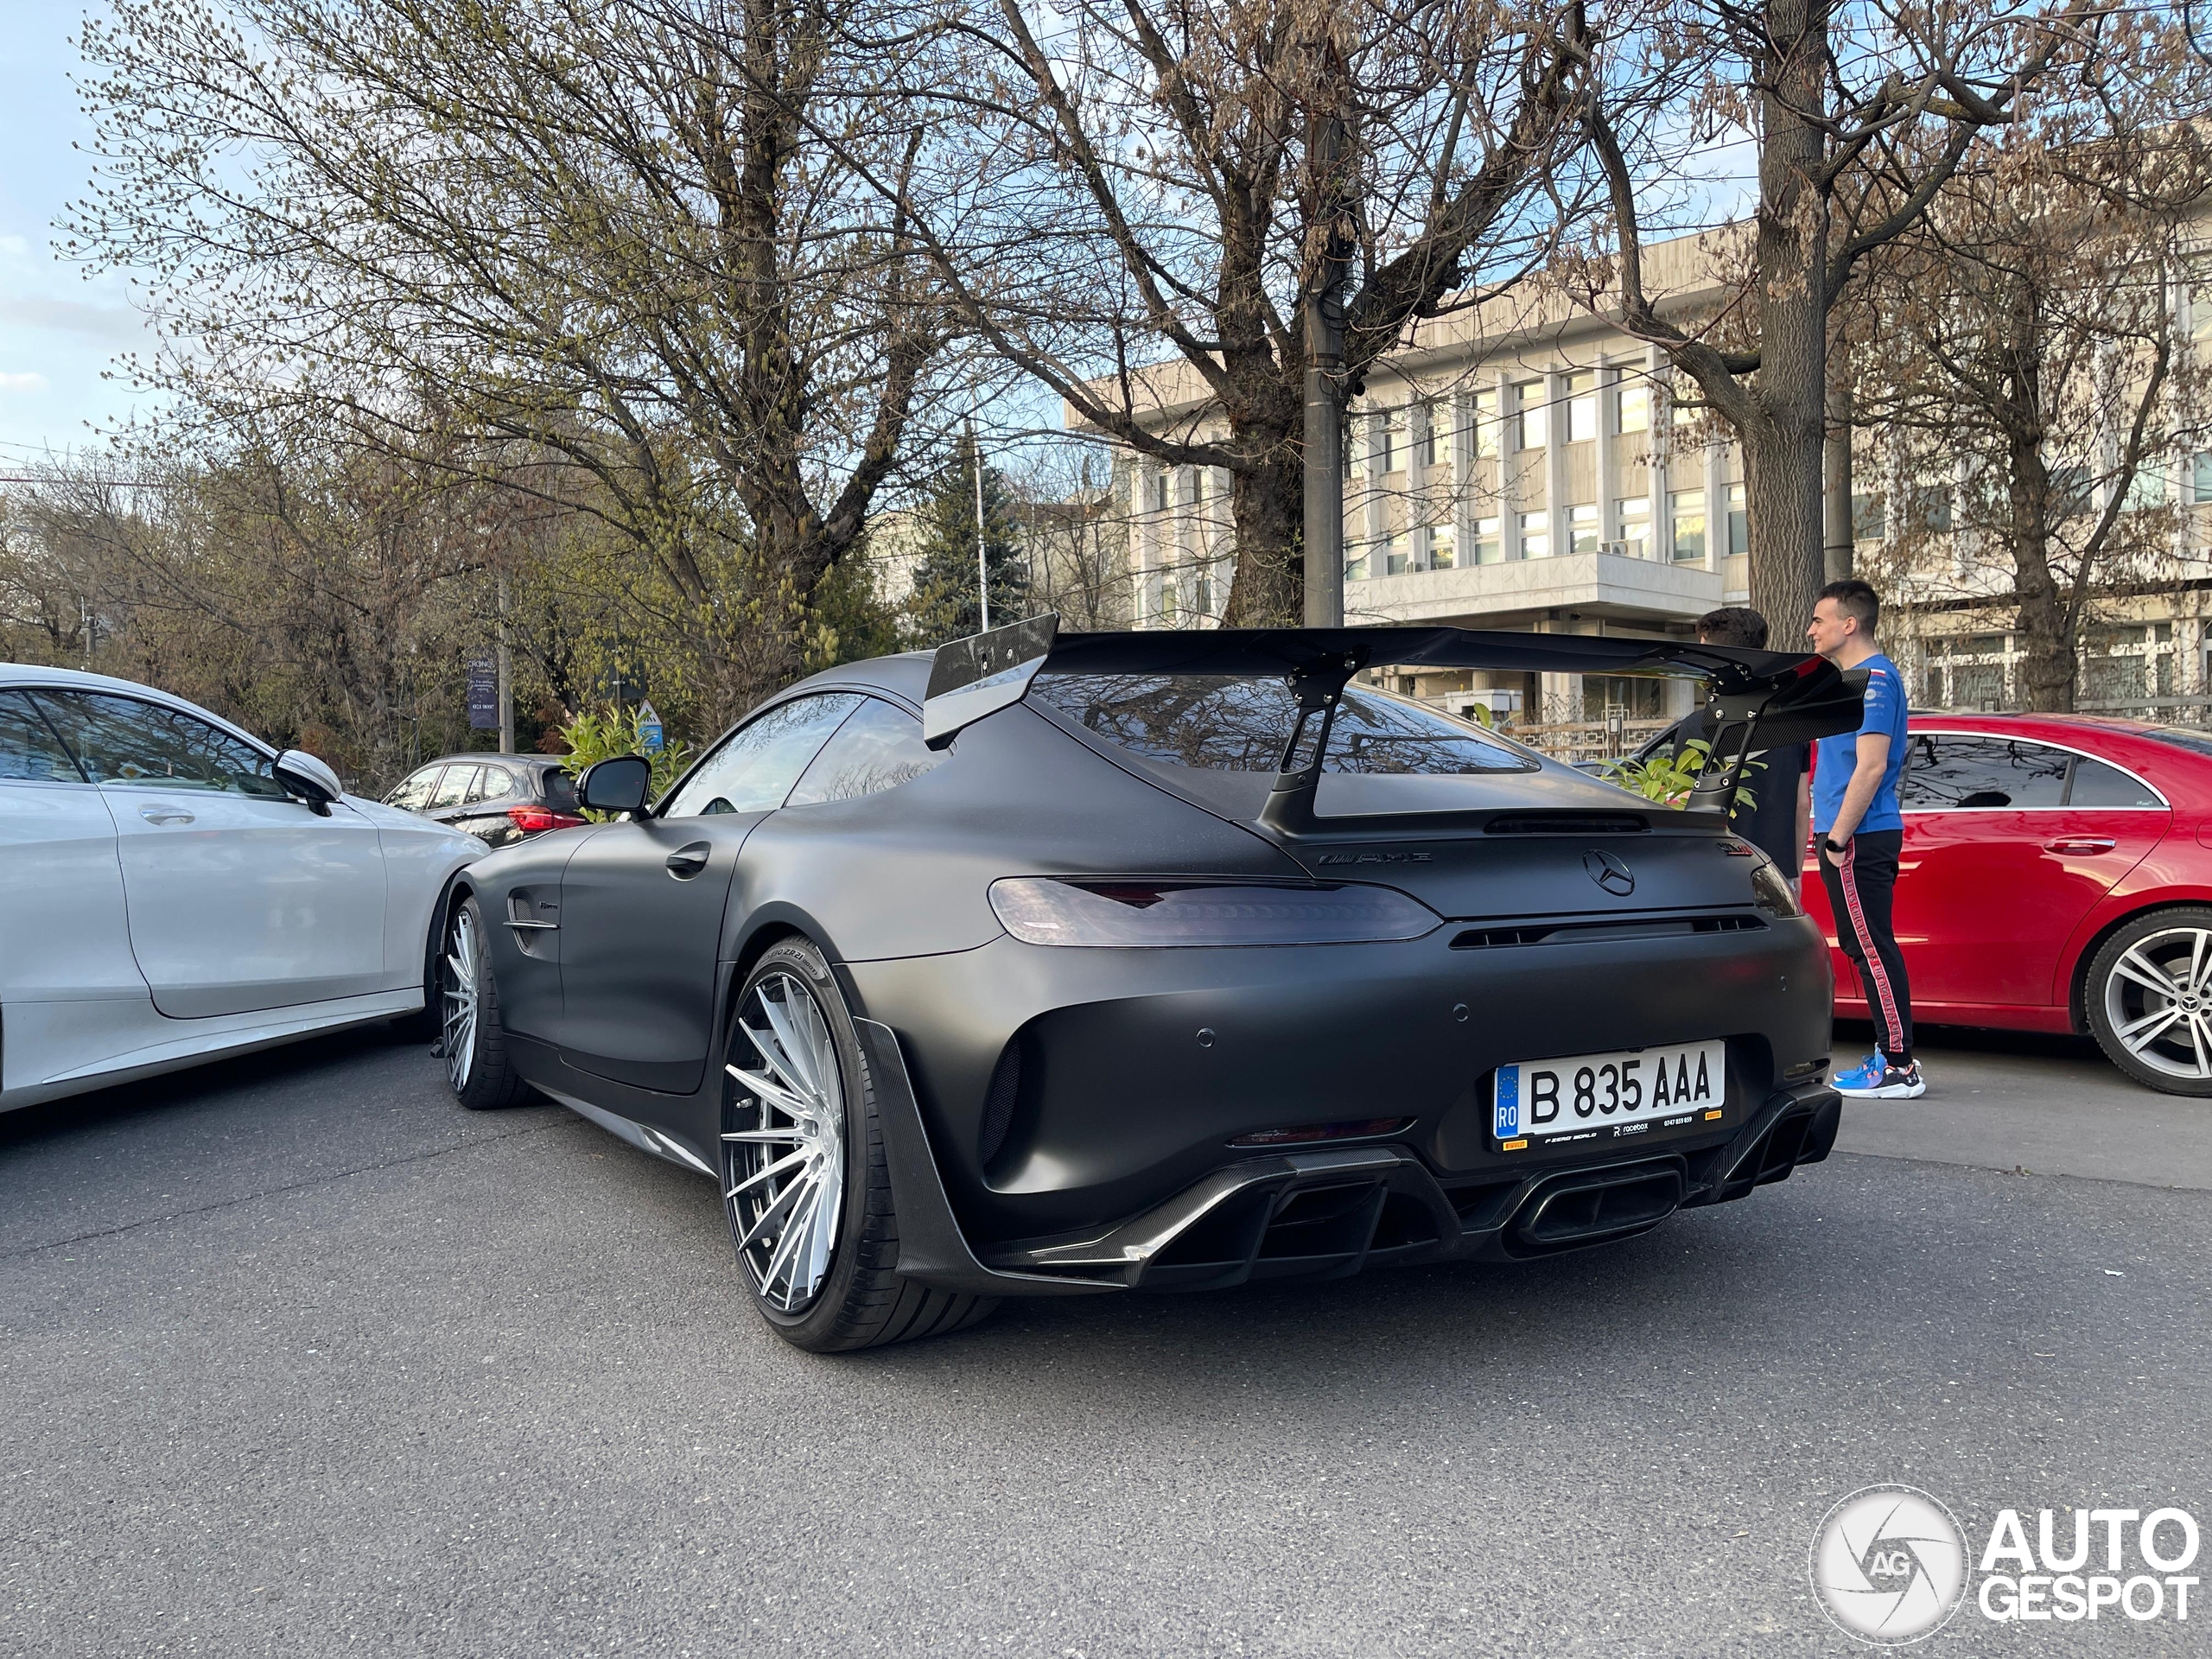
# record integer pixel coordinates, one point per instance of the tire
(473, 1042)
(2148, 995)
(801, 1139)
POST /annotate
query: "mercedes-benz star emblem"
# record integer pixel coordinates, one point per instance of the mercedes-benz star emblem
(1610, 873)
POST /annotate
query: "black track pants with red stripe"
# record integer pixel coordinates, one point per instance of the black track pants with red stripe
(1859, 897)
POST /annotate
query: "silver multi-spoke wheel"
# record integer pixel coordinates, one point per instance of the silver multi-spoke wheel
(787, 1153)
(2157, 1001)
(458, 983)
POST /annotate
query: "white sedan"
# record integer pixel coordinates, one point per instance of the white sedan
(172, 890)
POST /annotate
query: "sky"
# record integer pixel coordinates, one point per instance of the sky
(59, 333)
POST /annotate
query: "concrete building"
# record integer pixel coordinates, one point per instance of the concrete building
(1525, 465)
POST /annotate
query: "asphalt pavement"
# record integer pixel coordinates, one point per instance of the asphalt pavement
(297, 1358)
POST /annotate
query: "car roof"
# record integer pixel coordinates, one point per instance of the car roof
(504, 760)
(905, 676)
(2119, 723)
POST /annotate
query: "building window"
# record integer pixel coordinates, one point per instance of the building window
(1441, 551)
(1635, 406)
(1390, 442)
(1355, 442)
(1485, 424)
(1582, 529)
(1436, 453)
(2200, 477)
(1355, 563)
(1535, 536)
(1529, 402)
(1739, 521)
(2148, 487)
(1687, 509)
(1581, 407)
(1489, 544)
(1394, 554)
(1687, 402)
(1634, 514)
(1867, 522)
(1156, 492)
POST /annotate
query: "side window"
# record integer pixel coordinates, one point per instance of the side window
(454, 788)
(757, 764)
(28, 749)
(415, 794)
(2096, 784)
(124, 743)
(492, 783)
(559, 788)
(878, 748)
(1946, 773)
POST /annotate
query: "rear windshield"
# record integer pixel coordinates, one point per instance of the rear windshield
(1222, 722)
(2196, 742)
(559, 789)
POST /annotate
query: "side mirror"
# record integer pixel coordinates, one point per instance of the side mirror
(309, 779)
(619, 783)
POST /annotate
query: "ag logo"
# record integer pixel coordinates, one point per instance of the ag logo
(1890, 1565)
(1610, 873)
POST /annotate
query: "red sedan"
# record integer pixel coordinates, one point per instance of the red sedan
(2056, 876)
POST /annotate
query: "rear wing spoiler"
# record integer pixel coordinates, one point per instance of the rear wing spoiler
(1761, 699)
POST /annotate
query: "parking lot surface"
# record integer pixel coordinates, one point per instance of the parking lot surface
(297, 1358)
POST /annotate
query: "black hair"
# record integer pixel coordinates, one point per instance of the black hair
(1732, 624)
(1854, 598)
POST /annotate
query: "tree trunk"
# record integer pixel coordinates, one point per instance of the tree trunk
(1267, 499)
(2045, 621)
(1783, 443)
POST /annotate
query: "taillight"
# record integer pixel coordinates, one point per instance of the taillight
(534, 819)
(1141, 911)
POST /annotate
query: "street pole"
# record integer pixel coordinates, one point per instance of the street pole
(506, 678)
(1324, 413)
(1839, 551)
(982, 564)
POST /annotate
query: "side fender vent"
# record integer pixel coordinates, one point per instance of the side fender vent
(999, 1101)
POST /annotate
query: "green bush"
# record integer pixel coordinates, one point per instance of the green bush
(1669, 779)
(593, 736)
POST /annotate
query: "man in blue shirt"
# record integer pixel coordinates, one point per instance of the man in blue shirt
(1860, 832)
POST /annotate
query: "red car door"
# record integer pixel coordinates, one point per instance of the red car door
(2008, 844)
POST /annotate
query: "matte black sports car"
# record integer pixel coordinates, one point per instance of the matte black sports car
(1078, 963)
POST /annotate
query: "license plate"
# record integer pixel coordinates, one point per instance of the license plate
(1636, 1091)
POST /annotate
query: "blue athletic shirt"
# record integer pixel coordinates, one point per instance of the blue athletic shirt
(1886, 717)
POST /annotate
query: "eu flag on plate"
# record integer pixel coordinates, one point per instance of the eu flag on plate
(1509, 1101)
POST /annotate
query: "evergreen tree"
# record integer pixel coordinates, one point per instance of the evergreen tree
(946, 603)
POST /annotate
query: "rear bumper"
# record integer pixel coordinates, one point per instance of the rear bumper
(1329, 1213)
(1066, 1091)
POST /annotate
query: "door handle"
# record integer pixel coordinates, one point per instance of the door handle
(687, 861)
(2081, 846)
(165, 814)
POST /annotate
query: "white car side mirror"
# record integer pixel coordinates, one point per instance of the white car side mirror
(309, 779)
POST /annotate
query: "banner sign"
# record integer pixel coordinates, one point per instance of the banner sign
(483, 694)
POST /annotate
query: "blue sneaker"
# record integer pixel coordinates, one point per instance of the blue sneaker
(1875, 1078)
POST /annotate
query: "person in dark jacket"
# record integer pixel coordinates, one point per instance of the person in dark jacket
(1775, 821)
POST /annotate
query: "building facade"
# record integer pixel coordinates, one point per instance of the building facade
(1533, 470)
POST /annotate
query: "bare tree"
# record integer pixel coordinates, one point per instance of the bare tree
(1858, 116)
(597, 240)
(1148, 197)
(2032, 389)
(1075, 516)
